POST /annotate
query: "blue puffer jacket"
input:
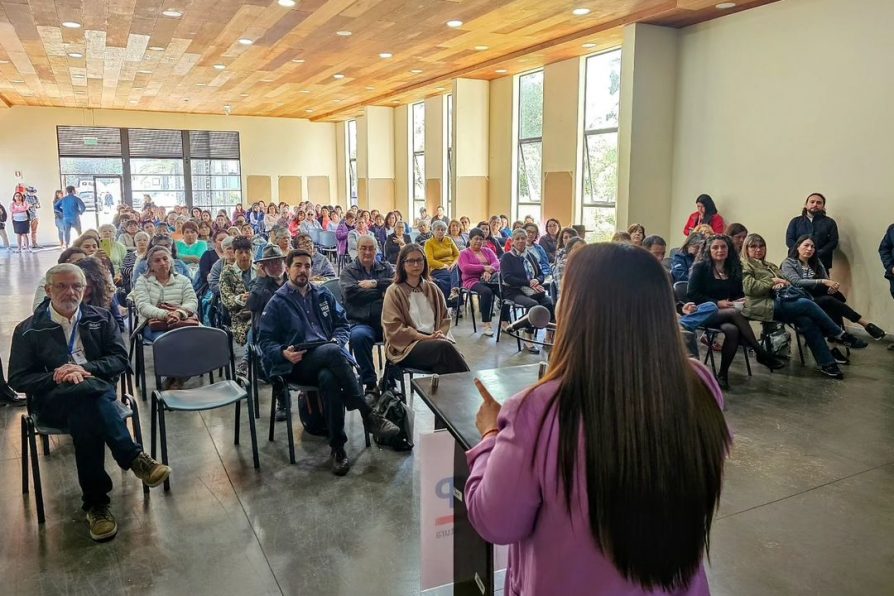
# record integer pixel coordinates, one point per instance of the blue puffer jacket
(283, 323)
(681, 263)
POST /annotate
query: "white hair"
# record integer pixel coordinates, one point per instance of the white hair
(65, 268)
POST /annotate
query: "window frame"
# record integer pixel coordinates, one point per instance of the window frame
(351, 155)
(417, 160)
(521, 163)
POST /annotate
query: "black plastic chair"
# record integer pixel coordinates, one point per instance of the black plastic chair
(328, 244)
(333, 286)
(32, 427)
(194, 352)
(465, 304)
(507, 307)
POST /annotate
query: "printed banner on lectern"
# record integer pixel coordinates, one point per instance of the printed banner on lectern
(436, 511)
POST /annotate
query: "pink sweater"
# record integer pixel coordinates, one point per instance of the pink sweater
(472, 268)
(511, 500)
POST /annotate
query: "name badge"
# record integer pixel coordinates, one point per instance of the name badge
(78, 357)
(324, 309)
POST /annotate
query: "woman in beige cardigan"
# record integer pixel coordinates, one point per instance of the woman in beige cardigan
(415, 320)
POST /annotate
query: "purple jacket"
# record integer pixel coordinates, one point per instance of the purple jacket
(341, 234)
(511, 498)
(471, 268)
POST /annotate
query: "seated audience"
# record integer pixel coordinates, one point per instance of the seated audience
(100, 289)
(71, 255)
(303, 336)
(378, 229)
(235, 279)
(162, 293)
(442, 255)
(440, 216)
(804, 269)
(585, 427)
(227, 258)
(395, 241)
(814, 222)
(533, 233)
(768, 298)
(479, 267)
(523, 278)
(8, 397)
(571, 246)
(492, 237)
(127, 238)
(423, 217)
(455, 233)
(621, 238)
(657, 246)
(683, 259)
(737, 233)
(886, 253)
(363, 283)
(69, 356)
(211, 256)
(415, 321)
(341, 234)
(717, 278)
(424, 232)
(160, 240)
(637, 234)
(705, 214)
(359, 231)
(321, 268)
(550, 240)
(270, 278)
(280, 237)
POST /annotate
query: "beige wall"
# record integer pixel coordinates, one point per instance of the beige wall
(341, 162)
(471, 111)
(784, 100)
(562, 103)
(402, 161)
(270, 146)
(500, 147)
(646, 128)
(435, 152)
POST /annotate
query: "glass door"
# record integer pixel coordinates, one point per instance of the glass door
(107, 195)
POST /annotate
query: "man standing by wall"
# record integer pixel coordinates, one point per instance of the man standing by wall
(814, 222)
(71, 207)
(886, 252)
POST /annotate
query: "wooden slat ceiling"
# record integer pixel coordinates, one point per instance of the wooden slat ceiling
(126, 54)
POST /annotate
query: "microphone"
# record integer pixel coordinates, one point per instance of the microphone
(537, 317)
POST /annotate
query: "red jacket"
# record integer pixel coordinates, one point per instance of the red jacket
(717, 223)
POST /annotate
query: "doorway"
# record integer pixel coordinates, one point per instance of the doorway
(107, 195)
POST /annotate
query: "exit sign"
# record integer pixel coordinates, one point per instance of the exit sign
(91, 141)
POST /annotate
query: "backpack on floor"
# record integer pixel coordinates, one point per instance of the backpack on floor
(777, 340)
(392, 408)
(311, 414)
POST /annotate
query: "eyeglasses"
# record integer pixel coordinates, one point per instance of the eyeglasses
(414, 262)
(59, 287)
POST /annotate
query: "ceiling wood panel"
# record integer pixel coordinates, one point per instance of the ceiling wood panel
(136, 58)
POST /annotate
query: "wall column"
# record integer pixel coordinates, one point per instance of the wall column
(435, 153)
(562, 105)
(471, 116)
(375, 159)
(646, 132)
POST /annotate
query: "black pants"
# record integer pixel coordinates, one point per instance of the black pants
(892, 286)
(93, 421)
(527, 302)
(5, 389)
(438, 356)
(485, 300)
(736, 332)
(837, 309)
(329, 368)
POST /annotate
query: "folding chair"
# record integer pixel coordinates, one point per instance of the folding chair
(328, 244)
(465, 303)
(194, 352)
(32, 427)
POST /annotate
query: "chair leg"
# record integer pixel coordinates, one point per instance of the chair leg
(499, 320)
(272, 418)
(800, 348)
(45, 441)
(238, 415)
(35, 472)
(137, 431)
(164, 441)
(253, 431)
(253, 367)
(747, 360)
(472, 311)
(290, 434)
(153, 419)
(24, 456)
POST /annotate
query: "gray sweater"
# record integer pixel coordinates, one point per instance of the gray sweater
(809, 279)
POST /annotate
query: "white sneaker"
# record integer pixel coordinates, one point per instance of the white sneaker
(488, 330)
(30, 250)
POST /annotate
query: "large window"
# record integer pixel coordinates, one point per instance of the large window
(352, 161)
(417, 182)
(530, 146)
(600, 159)
(448, 183)
(196, 168)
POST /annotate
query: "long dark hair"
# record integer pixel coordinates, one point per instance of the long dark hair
(732, 266)
(400, 274)
(99, 280)
(710, 207)
(654, 437)
(814, 261)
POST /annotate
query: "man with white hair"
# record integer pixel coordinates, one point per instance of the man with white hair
(68, 357)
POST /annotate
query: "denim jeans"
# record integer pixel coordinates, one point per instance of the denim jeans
(813, 323)
(443, 279)
(363, 338)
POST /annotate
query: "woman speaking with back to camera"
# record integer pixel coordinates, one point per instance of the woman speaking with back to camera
(605, 476)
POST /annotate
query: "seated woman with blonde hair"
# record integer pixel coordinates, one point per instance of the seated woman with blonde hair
(415, 322)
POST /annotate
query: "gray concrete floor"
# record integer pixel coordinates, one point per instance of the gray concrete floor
(806, 508)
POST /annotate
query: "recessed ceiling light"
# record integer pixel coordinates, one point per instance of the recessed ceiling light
(4, 61)
(266, 80)
(71, 25)
(308, 111)
(395, 101)
(243, 95)
(134, 101)
(370, 88)
(77, 75)
(726, 5)
(501, 71)
(304, 91)
(227, 106)
(245, 41)
(454, 24)
(144, 71)
(589, 45)
(337, 100)
(481, 48)
(286, 3)
(200, 84)
(343, 33)
(385, 55)
(75, 55)
(579, 12)
(174, 14)
(80, 92)
(219, 66)
(17, 81)
(338, 76)
(156, 48)
(439, 89)
(298, 61)
(416, 71)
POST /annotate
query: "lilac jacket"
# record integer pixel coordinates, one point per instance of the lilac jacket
(471, 268)
(511, 501)
(341, 235)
